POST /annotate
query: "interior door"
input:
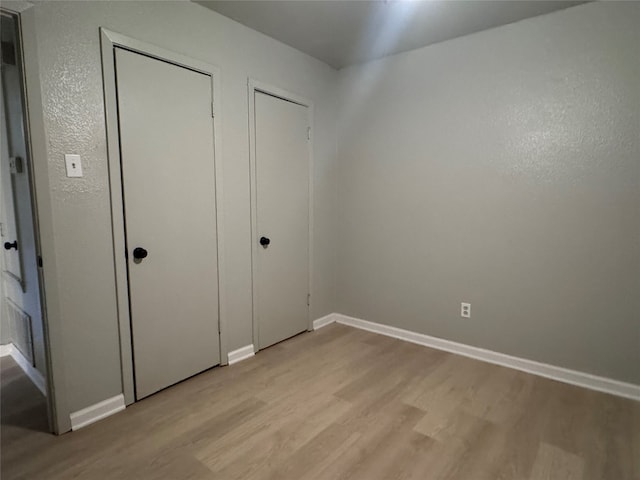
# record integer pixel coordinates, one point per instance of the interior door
(282, 214)
(168, 178)
(8, 225)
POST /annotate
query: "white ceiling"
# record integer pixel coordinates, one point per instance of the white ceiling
(342, 33)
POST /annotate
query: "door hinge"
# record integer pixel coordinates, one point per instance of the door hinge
(308, 299)
(308, 133)
(39, 258)
(213, 114)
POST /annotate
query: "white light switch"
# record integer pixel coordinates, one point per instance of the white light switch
(74, 165)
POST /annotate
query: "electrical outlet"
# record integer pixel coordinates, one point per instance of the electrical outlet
(465, 310)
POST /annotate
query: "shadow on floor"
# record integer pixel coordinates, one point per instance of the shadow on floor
(22, 405)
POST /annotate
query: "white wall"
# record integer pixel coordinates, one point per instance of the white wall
(501, 169)
(76, 224)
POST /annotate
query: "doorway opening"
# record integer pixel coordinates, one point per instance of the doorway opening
(23, 340)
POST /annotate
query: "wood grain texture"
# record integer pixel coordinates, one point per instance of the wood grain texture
(338, 403)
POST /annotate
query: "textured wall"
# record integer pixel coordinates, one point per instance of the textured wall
(501, 169)
(71, 87)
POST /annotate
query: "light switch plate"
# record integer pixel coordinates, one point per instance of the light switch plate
(74, 165)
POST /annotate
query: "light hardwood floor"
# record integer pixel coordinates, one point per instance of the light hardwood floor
(342, 403)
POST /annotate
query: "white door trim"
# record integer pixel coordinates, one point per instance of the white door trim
(258, 86)
(36, 144)
(110, 40)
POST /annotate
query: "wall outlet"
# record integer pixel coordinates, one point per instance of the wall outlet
(465, 310)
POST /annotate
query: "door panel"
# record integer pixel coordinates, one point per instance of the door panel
(166, 136)
(282, 199)
(9, 229)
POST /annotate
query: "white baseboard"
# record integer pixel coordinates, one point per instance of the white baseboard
(96, 412)
(240, 354)
(326, 320)
(30, 371)
(5, 350)
(573, 377)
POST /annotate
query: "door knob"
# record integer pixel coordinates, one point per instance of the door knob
(264, 241)
(140, 253)
(10, 245)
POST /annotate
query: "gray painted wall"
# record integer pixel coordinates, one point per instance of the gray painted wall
(500, 169)
(76, 212)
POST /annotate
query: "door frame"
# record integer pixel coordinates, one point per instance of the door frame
(55, 398)
(261, 87)
(109, 40)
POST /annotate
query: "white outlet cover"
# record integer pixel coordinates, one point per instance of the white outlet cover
(74, 165)
(465, 310)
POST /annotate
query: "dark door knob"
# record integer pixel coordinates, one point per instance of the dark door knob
(264, 241)
(10, 245)
(140, 253)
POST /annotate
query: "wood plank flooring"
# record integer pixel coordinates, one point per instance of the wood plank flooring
(342, 403)
(22, 405)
